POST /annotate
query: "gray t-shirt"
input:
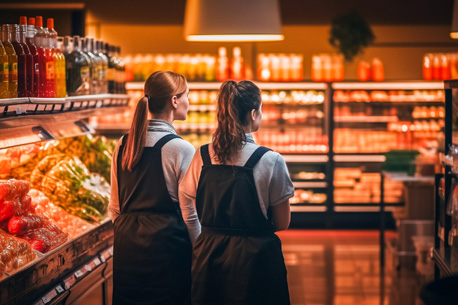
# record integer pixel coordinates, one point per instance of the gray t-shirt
(271, 176)
(176, 157)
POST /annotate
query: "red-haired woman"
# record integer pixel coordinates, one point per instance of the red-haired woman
(152, 246)
(241, 192)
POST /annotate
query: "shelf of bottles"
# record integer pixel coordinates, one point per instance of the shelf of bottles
(369, 120)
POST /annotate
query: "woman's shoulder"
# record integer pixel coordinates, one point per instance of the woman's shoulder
(180, 145)
(270, 156)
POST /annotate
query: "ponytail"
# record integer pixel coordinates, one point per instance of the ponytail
(235, 102)
(137, 136)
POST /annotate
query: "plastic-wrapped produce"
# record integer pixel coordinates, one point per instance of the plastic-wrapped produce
(72, 225)
(14, 253)
(68, 183)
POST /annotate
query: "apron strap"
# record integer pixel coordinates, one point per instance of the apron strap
(165, 139)
(256, 156)
(205, 155)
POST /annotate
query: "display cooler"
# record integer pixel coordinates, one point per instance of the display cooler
(79, 270)
(333, 136)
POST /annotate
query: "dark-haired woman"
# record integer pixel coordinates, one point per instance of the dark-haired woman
(241, 193)
(152, 246)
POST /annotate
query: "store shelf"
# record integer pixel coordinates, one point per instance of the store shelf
(308, 208)
(263, 86)
(310, 184)
(195, 126)
(365, 119)
(306, 158)
(402, 85)
(359, 158)
(202, 108)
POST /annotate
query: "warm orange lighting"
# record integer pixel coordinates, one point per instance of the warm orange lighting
(454, 35)
(234, 37)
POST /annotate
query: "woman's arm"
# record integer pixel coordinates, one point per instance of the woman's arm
(281, 216)
(113, 206)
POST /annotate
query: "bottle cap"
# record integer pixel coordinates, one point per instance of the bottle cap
(50, 23)
(32, 21)
(23, 20)
(39, 22)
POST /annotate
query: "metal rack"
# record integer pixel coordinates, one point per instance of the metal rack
(83, 265)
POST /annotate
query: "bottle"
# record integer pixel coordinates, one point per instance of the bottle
(21, 60)
(41, 42)
(12, 61)
(111, 68)
(117, 68)
(30, 40)
(378, 73)
(92, 64)
(122, 72)
(29, 58)
(4, 72)
(103, 75)
(78, 67)
(237, 70)
(60, 69)
(51, 58)
(222, 69)
(98, 65)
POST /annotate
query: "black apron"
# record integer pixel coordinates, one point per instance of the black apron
(152, 250)
(237, 259)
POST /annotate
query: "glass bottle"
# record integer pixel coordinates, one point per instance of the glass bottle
(98, 65)
(41, 42)
(122, 72)
(29, 69)
(4, 72)
(12, 61)
(92, 64)
(78, 70)
(30, 40)
(60, 69)
(222, 71)
(111, 76)
(21, 60)
(51, 58)
(104, 59)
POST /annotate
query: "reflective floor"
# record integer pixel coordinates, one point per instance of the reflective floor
(343, 267)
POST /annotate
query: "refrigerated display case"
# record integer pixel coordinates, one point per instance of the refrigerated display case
(333, 136)
(79, 270)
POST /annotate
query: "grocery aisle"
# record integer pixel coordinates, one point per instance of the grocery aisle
(342, 267)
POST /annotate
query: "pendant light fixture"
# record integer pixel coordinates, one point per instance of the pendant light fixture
(454, 31)
(232, 20)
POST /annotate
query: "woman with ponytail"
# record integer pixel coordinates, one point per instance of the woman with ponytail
(152, 246)
(241, 193)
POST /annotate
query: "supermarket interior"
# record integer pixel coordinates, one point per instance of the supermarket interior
(359, 97)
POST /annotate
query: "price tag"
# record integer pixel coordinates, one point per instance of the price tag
(41, 107)
(49, 296)
(49, 107)
(80, 273)
(97, 261)
(2, 109)
(59, 289)
(92, 103)
(76, 104)
(90, 266)
(102, 258)
(110, 251)
(69, 281)
(99, 104)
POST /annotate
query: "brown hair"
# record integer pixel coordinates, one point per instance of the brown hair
(235, 102)
(160, 87)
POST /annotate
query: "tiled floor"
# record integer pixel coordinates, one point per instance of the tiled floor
(343, 268)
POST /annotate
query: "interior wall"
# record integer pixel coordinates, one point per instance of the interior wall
(400, 47)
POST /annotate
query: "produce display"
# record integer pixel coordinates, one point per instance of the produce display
(307, 196)
(14, 253)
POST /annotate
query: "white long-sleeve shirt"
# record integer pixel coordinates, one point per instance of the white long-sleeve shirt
(176, 157)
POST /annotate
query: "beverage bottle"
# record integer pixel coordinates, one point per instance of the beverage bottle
(29, 68)
(378, 73)
(428, 67)
(96, 65)
(61, 90)
(78, 70)
(12, 61)
(103, 75)
(4, 72)
(222, 65)
(21, 60)
(122, 72)
(92, 64)
(237, 70)
(30, 41)
(51, 59)
(111, 68)
(41, 42)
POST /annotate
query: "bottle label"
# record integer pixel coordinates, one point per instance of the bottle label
(5, 72)
(13, 72)
(37, 68)
(111, 75)
(85, 74)
(50, 70)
